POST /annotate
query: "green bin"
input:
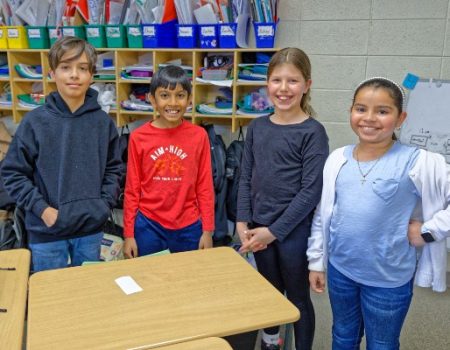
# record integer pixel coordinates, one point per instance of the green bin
(115, 36)
(38, 37)
(95, 35)
(53, 34)
(77, 31)
(134, 35)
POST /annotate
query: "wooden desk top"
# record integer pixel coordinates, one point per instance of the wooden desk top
(200, 344)
(186, 296)
(13, 296)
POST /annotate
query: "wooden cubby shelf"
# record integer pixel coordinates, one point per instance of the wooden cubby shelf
(201, 92)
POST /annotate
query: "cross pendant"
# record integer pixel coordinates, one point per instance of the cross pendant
(363, 181)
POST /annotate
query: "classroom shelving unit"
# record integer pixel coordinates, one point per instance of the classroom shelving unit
(201, 92)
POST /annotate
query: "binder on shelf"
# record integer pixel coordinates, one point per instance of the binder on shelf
(3, 38)
(265, 34)
(187, 35)
(159, 35)
(38, 37)
(208, 36)
(134, 35)
(116, 36)
(227, 35)
(53, 34)
(17, 37)
(95, 35)
(77, 31)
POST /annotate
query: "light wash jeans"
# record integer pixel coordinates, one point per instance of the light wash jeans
(380, 312)
(55, 255)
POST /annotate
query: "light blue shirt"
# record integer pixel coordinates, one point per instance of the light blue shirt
(369, 225)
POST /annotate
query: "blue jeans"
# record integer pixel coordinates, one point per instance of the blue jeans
(380, 312)
(55, 255)
(151, 237)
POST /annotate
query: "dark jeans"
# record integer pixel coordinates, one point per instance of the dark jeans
(380, 312)
(151, 237)
(284, 264)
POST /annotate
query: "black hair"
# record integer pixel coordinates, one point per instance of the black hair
(392, 88)
(170, 77)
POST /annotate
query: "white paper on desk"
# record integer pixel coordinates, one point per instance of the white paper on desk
(128, 285)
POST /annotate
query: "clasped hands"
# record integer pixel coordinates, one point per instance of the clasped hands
(255, 239)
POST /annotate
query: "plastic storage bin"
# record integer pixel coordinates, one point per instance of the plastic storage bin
(3, 38)
(159, 35)
(134, 35)
(265, 34)
(17, 37)
(227, 35)
(77, 31)
(38, 37)
(187, 35)
(208, 36)
(95, 35)
(53, 34)
(116, 36)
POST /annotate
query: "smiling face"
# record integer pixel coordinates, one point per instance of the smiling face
(374, 115)
(73, 78)
(171, 105)
(286, 87)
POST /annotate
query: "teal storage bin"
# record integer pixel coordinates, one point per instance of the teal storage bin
(95, 35)
(77, 31)
(116, 36)
(38, 37)
(134, 35)
(53, 34)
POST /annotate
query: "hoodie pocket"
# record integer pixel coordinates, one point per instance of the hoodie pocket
(84, 215)
(79, 216)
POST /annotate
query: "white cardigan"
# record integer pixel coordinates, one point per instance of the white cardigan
(431, 176)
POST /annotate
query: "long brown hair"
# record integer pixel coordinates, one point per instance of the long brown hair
(301, 61)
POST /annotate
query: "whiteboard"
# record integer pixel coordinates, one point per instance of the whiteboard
(427, 124)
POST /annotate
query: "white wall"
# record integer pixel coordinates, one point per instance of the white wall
(350, 40)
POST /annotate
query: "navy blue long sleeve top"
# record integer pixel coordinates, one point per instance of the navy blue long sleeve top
(281, 178)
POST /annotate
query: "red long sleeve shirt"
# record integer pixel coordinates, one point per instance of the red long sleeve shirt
(169, 177)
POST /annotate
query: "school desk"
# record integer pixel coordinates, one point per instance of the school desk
(14, 270)
(185, 296)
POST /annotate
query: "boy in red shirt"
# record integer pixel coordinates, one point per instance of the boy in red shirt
(169, 194)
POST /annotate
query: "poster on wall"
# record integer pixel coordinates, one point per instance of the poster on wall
(427, 125)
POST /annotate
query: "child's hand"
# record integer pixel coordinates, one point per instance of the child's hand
(242, 229)
(415, 234)
(206, 240)
(260, 237)
(317, 281)
(130, 248)
(49, 216)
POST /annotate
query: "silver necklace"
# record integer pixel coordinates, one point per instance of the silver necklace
(364, 175)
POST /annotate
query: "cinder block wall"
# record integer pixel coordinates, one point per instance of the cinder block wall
(350, 40)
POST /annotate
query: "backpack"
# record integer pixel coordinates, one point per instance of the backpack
(233, 173)
(12, 229)
(123, 150)
(218, 159)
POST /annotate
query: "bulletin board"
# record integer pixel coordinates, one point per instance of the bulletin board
(428, 121)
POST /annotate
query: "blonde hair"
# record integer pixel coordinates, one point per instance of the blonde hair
(301, 61)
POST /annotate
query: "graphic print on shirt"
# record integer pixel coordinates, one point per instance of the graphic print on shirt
(168, 163)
